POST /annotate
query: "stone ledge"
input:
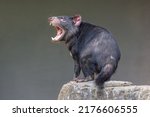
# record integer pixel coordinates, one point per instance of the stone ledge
(113, 90)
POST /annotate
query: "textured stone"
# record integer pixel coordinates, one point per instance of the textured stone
(113, 90)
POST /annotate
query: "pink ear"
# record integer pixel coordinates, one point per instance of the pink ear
(77, 20)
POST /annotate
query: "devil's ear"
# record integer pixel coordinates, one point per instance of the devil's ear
(77, 20)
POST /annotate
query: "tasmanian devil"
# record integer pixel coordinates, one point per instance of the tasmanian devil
(93, 48)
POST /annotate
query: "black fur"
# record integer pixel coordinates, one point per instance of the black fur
(94, 50)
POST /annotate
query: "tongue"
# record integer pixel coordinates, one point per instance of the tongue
(59, 31)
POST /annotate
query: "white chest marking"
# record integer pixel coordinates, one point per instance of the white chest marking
(70, 54)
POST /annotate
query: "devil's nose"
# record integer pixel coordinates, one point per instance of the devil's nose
(50, 19)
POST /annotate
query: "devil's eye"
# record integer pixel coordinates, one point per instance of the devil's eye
(62, 19)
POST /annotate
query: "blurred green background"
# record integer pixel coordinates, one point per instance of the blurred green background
(31, 67)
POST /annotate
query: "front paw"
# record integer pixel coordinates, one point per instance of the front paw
(78, 79)
(81, 79)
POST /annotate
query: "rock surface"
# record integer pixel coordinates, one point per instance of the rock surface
(113, 90)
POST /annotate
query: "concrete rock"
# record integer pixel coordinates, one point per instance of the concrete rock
(113, 90)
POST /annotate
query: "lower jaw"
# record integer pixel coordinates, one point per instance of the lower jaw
(57, 40)
(62, 38)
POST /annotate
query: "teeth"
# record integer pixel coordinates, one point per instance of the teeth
(52, 38)
(50, 23)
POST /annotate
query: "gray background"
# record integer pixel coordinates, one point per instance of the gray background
(31, 67)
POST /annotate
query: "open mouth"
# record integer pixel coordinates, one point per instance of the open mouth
(60, 32)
